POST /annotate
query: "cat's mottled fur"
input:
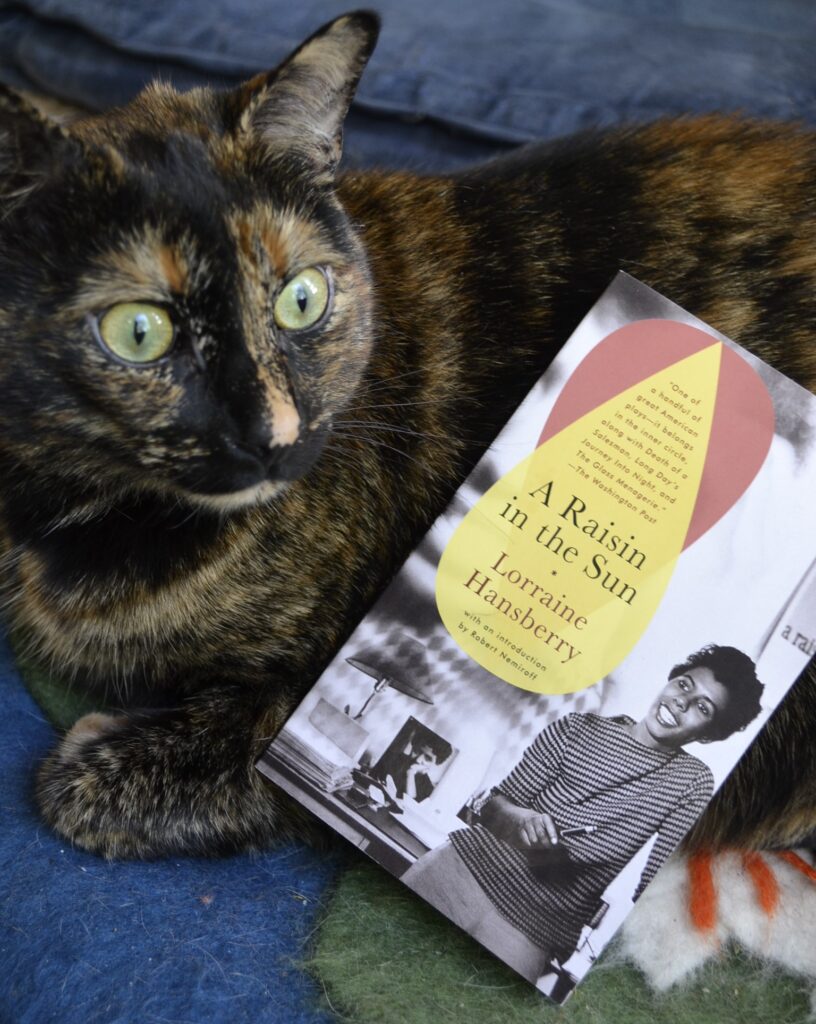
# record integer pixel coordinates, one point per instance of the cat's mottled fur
(194, 538)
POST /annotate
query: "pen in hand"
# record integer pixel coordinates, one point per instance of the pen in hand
(578, 830)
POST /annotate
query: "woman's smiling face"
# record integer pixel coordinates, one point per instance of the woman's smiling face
(686, 708)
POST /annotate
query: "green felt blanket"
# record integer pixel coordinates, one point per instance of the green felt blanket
(384, 956)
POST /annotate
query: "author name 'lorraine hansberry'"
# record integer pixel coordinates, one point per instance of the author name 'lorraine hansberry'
(482, 584)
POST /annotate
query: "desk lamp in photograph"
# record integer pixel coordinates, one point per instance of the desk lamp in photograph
(401, 663)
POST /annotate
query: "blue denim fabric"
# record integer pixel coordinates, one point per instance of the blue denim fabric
(489, 72)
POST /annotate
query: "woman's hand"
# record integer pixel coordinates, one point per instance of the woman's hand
(537, 832)
(522, 827)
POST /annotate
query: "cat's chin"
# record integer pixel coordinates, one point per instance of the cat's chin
(258, 494)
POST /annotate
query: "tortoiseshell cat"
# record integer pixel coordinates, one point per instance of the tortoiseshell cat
(235, 390)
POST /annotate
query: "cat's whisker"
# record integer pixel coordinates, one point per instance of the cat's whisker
(193, 513)
(375, 442)
(336, 456)
(396, 405)
(364, 439)
(393, 428)
(386, 382)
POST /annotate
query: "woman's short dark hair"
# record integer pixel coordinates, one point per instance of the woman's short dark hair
(440, 748)
(737, 673)
(421, 737)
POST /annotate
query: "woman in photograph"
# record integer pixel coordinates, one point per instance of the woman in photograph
(586, 796)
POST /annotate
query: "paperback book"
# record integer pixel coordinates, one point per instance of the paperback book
(550, 691)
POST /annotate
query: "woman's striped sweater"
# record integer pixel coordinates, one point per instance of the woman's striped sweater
(585, 770)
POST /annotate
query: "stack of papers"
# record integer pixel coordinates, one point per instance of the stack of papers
(309, 764)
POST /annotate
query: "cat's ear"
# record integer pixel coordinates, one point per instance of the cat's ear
(301, 105)
(30, 145)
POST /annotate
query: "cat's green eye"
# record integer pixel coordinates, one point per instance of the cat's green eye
(303, 301)
(137, 331)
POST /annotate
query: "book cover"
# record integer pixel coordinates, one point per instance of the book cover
(545, 698)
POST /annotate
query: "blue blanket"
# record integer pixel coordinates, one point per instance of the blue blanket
(85, 942)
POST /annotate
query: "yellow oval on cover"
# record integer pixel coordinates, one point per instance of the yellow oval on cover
(552, 577)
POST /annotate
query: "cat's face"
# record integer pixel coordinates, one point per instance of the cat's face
(183, 301)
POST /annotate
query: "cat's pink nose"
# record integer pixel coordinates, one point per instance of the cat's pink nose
(285, 425)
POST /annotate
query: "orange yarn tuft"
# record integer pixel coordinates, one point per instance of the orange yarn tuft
(702, 894)
(765, 883)
(797, 862)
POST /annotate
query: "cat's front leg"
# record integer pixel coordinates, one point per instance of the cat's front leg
(178, 781)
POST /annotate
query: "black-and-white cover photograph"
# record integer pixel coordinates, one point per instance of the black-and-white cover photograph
(531, 814)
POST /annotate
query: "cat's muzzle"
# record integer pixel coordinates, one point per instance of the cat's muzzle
(239, 468)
